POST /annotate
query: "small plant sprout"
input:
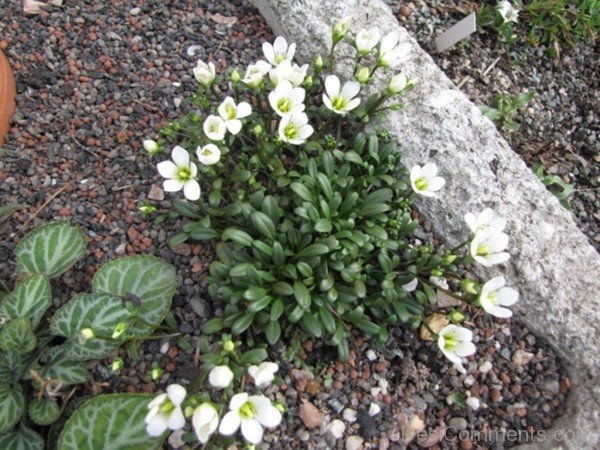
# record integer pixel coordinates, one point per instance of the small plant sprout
(391, 53)
(367, 40)
(494, 296)
(205, 421)
(487, 247)
(279, 51)
(251, 413)
(180, 174)
(165, 411)
(204, 73)
(286, 100)
(343, 100)
(295, 129)
(455, 343)
(232, 113)
(263, 374)
(220, 377)
(424, 180)
(209, 154)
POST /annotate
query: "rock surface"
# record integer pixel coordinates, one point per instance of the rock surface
(552, 264)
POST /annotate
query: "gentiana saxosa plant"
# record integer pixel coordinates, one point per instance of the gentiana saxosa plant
(45, 351)
(309, 207)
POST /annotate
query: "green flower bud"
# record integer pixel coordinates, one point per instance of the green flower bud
(151, 147)
(437, 273)
(340, 29)
(147, 209)
(257, 129)
(318, 63)
(468, 286)
(156, 373)
(308, 81)
(363, 74)
(117, 365)
(119, 330)
(456, 316)
(448, 259)
(228, 346)
(235, 76)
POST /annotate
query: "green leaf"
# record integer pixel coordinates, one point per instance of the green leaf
(323, 226)
(22, 439)
(204, 234)
(379, 196)
(276, 309)
(263, 224)
(373, 209)
(302, 295)
(43, 411)
(152, 280)
(327, 320)
(353, 157)
(99, 312)
(186, 209)
(7, 210)
(302, 191)
(30, 299)
(254, 356)
(11, 366)
(17, 335)
(278, 254)
(110, 422)
(56, 364)
(12, 405)
(214, 325)
(239, 175)
(273, 332)
(242, 324)
(50, 249)
(313, 250)
(342, 349)
(311, 324)
(178, 238)
(325, 185)
(283, 288)
(255, 293)
(238, 236)
(260, 304)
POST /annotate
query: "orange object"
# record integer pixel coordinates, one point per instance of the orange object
(7, 96)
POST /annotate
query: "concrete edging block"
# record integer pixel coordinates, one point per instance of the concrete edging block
(553, 266)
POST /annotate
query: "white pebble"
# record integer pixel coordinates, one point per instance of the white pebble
(374, 409)
(349, 415)
(473, 403)
(485, 367)
(383, 384)
(371, 355)
(135, 11)
(164, 348)
(354, 443)
(177, 101)
(375, 391)
(469, 380)
(337, 428)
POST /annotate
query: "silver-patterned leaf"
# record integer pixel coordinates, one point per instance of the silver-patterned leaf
(54, 363)
(12, 403)
(99, 312)
(43, 411)
(150, 280)
(11, 366)
(30, 298)
(17, 335)
(110, 422)
(22, 439)
(50, 249)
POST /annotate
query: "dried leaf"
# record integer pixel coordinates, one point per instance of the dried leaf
(33, 7)
(223, 20)
(7, 96)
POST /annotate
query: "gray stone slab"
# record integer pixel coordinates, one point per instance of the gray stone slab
(552, 264)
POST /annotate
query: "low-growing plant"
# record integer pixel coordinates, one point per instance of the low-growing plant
(312, 208)
(44, 352)
(554, 184)
(505, 109)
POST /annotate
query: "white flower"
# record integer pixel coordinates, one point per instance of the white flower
(279, 51)
(411, 285)
(165, 411)
(340, 28)
(286, 100)
(455, 343)
(151, 146)
(397, 83)
(220, 377)
(204, 73)
(424, 180)
(288, 71)
(232, 113)
(180, 174)
(390, 53)
(215, 128)
(486, 220)
(366, 40)
(263, 374)
(255, 73)
(487, 247)
(494, 296)
(340, 101)
(209, 154)
(508, 12)
(295, 129)
(252, 413)
(205, 421)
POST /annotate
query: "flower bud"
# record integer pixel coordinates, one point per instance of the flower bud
(220, 377)
(448, 259)
(117, 365)
(156, 373)
(228, 346)
(188, 411)
(363, 74)
(397, 83)
(318, 63)
(468, 286)
(119, 330)
(257, 129)
(308, 81)
(151, 147)
(85, 335)
(147, 209)
(340, 29)
(456, 316)
(235, 76)
(437, 273)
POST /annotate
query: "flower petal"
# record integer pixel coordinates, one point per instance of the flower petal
(180, 156)
(243, 110)
(465, 348)
(507, 296)
(350, 89)
(158, 425)
(191, 190)
(429, 170)
(234, 126)
(172, 185)
(176, 419)
(238, 400)
(498, 311)
(167, 169)
(252, 431)
(268, 416)
(176, 393)
(435, 184)
(230, 423)
(332, 85)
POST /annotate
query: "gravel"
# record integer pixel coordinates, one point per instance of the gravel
(94, 80)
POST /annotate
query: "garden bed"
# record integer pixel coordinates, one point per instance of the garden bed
(74, 152)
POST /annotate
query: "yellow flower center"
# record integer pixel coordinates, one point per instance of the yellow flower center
(482, 250)
(231, 112)
(184, 174)
(291, 131)
(284, 105)
(166, 407)
(247, 410)
(279, 57)
(339, 102)
(206, 152)
(450, 342)
(421, 183)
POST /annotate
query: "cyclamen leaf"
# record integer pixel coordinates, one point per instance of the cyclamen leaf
(30, 299)
(43, 411)
(11, 366)
(12, 402)
(17, 335)
(22, 439)
(54, 363)
(150, 279)
(50, 249)
(110, 422)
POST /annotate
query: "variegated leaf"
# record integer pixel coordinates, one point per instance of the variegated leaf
(99, 312)
(12, 403)
(50, 249)
(43, 411)
(17, 335)
(110, 422)
(11, 366)
(22, 439)
(31, 298)
(147, 279)
(55, 364)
